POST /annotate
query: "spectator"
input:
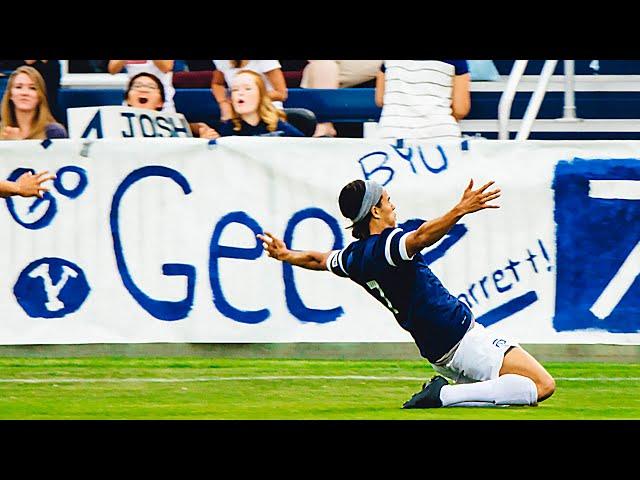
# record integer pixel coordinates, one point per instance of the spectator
(25, 108)
(226, 70)
(332, 74)
(145, 90)
(50, 71)
(422, 99)
(163, 69)
(253, 112)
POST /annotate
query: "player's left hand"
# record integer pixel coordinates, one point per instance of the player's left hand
(474, 200)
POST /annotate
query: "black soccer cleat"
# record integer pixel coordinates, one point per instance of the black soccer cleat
(429, 396)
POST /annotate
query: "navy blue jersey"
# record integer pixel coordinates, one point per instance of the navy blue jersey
(407, 287)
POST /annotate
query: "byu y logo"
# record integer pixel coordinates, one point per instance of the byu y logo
(597, 213)
(51, 288)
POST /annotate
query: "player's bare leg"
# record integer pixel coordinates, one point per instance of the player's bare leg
(520, 362)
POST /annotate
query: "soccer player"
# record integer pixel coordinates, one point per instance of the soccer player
(27, 185)
(386, 261)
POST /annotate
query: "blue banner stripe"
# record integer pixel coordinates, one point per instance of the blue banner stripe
(508, 309)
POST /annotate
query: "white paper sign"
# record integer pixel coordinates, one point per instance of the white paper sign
(125, 122)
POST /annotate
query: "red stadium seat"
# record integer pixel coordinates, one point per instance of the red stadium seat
(200, 79)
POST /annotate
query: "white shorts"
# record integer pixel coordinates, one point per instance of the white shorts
(478, 357)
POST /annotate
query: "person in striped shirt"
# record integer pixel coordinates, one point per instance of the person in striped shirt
(422, 99)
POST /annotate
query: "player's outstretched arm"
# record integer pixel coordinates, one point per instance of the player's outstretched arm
(27, 185)
(277, 249)
(430, 232)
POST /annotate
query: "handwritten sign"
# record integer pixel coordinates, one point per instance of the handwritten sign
(154, 239)
(125, 122)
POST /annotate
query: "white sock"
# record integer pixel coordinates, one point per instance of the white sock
(509, 389)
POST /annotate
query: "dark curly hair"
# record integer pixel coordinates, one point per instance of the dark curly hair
(350, 201)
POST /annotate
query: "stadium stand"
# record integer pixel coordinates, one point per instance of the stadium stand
(608, 100)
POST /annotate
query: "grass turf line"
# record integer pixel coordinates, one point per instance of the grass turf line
(112, 390)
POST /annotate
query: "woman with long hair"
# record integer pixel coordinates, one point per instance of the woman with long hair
(253, 112)
(226, 71)
(25, 112)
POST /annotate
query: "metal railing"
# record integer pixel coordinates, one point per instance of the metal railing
(536, 99)
(506, 100)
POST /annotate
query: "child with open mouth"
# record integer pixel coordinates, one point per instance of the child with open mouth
(253, 112)
(145, 90)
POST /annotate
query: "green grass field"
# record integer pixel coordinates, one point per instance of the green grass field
(204, 388)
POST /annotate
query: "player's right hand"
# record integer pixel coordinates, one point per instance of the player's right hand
(274, 247)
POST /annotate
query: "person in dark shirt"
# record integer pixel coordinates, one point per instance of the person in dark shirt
(24, 112)
(386, 261)
(253, 113)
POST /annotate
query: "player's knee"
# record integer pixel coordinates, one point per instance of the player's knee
(546, 387)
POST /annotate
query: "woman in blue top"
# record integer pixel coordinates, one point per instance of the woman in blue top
(253, 112)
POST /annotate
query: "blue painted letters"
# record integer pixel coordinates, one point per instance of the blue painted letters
(161, 309)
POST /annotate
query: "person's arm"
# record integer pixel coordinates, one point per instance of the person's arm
(279, 92)
(164, 65)
(27, 185)
(220, 94)
(308, 259)
(461, 96)
(380, 89)
(8, 189)
(430, 232)
(202, 130)
(116, 66)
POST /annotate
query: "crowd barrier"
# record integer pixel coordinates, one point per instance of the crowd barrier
(153, 239)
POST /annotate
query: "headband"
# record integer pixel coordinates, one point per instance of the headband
(372, 195)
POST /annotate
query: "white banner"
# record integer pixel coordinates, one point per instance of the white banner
(153, 240)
